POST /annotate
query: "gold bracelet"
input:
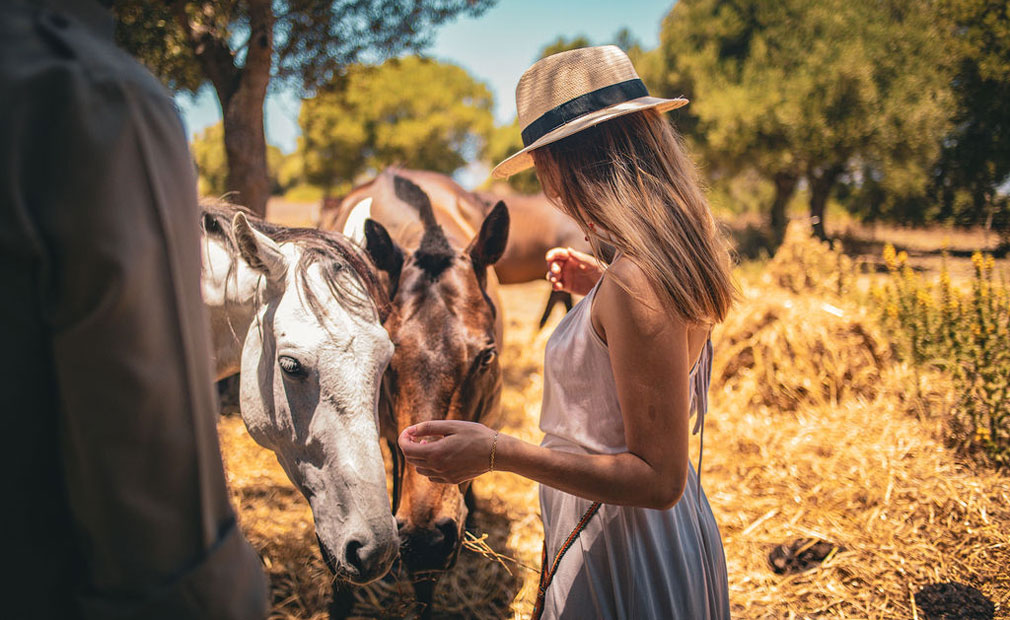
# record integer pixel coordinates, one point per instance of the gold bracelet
(494, 444)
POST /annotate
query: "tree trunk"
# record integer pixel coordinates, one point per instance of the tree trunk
(785, 186)
(820, 189)
(241, 91)
(246, 147)
(245, 140)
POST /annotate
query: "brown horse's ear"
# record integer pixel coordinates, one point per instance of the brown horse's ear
(386, 255)
(489, 244)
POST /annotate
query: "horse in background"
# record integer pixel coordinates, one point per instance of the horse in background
(536, 227)
(299, 312)
(436, 256)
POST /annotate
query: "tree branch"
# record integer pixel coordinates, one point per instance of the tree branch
(213, 53)
(259, 56)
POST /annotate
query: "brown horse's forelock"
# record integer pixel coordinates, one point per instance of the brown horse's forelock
(434, 254)
(332, 252)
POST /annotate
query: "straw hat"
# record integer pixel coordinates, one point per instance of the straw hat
(570, 91)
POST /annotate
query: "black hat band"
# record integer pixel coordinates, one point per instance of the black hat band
(582, 105)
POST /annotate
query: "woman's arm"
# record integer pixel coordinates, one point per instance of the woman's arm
(649, 356)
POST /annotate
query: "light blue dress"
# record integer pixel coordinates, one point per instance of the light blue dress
(633, 563)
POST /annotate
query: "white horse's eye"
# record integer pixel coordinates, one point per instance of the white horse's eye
(291, 366)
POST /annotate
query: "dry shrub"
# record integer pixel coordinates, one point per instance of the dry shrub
(802, 264)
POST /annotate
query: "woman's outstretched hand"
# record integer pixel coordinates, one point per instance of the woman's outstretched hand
(448, 451)
(572, 271)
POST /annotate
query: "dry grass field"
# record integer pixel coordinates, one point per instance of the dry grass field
(815, 432)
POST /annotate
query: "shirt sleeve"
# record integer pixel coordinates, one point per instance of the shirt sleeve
(109, 195)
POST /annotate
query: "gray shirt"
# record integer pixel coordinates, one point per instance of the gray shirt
(115, 498)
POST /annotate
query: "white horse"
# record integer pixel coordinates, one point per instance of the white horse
(298, 313)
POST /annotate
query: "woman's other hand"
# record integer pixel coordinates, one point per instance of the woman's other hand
(572, 271)
(448, 451)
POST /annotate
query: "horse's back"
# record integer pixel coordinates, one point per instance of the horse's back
(537, 226)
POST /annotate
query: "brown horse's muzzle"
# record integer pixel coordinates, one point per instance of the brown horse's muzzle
(430, 522)
(429, 549)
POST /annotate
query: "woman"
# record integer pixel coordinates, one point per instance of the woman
(628, 531)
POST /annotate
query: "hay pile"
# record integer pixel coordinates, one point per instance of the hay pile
(815, 431)
(790, 352)
(832, 450)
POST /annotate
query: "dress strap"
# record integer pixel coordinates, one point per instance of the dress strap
(699, 386)
(700, 381)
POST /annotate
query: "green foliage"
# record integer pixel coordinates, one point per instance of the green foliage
(212, 164)
(240, 47)
(151, 32)
(976, 154)
(820, 90)
(313, 41)
(563, 44)
(744, 193)
(964, 333)
(408, 111)
(503, 142)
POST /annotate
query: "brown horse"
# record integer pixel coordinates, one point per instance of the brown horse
(446, 325)
(536, 227)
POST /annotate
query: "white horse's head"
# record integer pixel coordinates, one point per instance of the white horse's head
(313, 351)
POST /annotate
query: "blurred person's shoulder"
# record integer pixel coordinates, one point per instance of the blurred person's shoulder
(55, 44)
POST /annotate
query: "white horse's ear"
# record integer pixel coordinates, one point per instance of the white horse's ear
(261, 252)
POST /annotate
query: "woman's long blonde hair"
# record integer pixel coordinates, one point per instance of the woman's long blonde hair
(631, 176)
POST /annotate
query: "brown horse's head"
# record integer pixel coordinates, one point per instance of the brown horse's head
(445, 363)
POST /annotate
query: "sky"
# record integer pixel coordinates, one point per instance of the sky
(495, 48)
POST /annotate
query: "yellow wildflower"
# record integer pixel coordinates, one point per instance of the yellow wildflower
(889, 256)
(977, 260)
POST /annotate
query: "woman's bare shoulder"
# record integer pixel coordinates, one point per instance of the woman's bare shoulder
(628, 294)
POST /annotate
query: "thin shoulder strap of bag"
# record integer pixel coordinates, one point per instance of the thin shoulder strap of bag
(547, 572)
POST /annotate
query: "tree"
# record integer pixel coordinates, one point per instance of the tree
(816, 91)
(976, 154)
(410, 111)
(562, 44)
(240, 46)
(503, 142)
